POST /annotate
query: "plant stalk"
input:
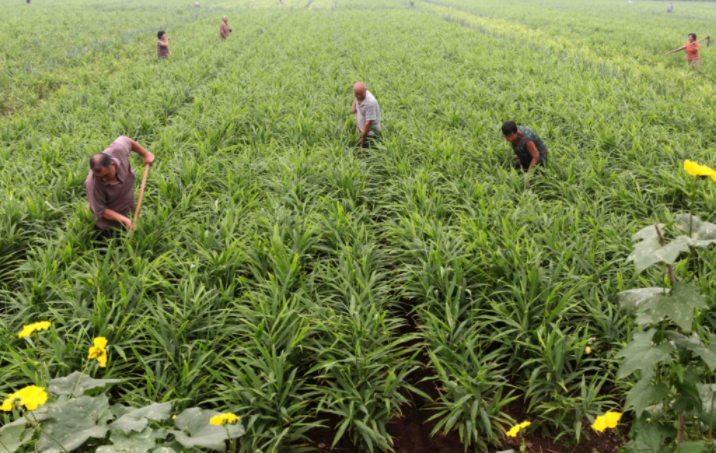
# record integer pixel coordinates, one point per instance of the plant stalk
(39, 427)
(82, 373)
(669, 267)
(682, 422)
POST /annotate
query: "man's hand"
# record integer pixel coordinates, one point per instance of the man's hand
(127, 222)
(137, 148)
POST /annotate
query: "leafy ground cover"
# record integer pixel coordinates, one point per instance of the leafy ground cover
(418, 289)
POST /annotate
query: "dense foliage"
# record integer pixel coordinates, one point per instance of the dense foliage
(280, 274)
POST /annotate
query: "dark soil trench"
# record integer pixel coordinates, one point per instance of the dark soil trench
(412, 432)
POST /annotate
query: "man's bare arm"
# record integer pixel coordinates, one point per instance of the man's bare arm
(366, 129)
(532, 149)
(117, 217)
(139, 149)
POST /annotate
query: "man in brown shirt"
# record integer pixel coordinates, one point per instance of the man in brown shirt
(110, 184)
(224, 30)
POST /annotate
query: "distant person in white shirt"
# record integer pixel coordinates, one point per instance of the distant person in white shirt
(367, 114)
(670, 8)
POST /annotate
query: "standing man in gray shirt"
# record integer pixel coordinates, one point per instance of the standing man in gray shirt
(367, 114)
(110, 184)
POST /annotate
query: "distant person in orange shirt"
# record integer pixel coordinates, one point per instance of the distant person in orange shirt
(692, 50)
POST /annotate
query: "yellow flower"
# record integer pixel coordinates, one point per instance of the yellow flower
(515, 430)
(31, 397)
(224, 418)
(608, 420)
(32, 328)
(174, 417)
(612, 419)
(695, 169)
(588, 350)
(99, 351)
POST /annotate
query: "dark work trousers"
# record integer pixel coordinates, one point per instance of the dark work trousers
(109, 233)
(368, 142)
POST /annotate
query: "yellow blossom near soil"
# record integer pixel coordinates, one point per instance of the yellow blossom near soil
(31, 397)
(695, 169)
(99, 351)
(515, 430)
(224, 418)
(32, 328)
(588, 350)
(608, 420)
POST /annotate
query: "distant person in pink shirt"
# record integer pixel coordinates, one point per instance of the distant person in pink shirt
(163, 45)
(224, 30)
(196, 4)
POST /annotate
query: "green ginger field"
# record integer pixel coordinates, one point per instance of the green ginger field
(422, 296)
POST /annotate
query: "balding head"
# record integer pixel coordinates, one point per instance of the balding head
(359, 90)
(103, 167)
(225, 18)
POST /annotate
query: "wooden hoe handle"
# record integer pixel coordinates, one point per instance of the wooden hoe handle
(141, 195)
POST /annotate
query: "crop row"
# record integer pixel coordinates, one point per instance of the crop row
(280, 274)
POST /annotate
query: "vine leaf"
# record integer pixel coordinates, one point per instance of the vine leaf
(708, 401)
(140, 442)
(678, 306)
(643, 395)
(693, 344)
(202, 433)
(11, 439)
(138, 419)
(649, 251)
(74, 422)
(81, 382)
(703, 234)
(642, 355)
(694, 446)
(631, 299)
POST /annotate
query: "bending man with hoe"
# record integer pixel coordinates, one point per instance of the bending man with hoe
(110, 185)
(692, 50)
(529, 149)
(367, 114)
(224, 30)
